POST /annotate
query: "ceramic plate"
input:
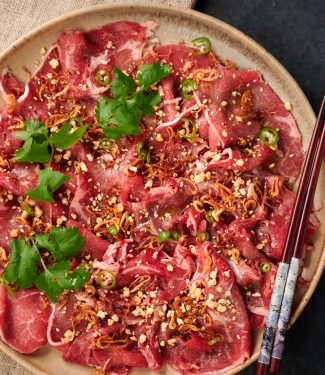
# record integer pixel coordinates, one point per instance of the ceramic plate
(176, 25)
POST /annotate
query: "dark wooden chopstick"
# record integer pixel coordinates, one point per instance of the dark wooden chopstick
(272, 318)
(293, 274)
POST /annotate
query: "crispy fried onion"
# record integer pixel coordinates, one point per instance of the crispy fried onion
(247, 111)
(16, 123)
(105, 342)
(207, 75)
(150, 242)
(139, 282)
(11, 102)
(188, 315)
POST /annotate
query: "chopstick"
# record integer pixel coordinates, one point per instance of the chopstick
(293, 247)
(293, 274)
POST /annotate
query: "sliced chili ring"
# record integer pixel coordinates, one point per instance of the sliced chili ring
(203, 45)
(265, 267)
(188, 87)
(106, 279)
(188, 130)
(209, 217)
(103, 77)
(269, 136)
(105, 144)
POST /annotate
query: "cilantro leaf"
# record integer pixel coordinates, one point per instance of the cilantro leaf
(126, 121)
(122, 114)
(33, 151)
(66, 136)
(78, 278)
(22, 269)
(33, 128)
(52, 281)
(48, 182)
(144, 102)
(149, 74)
(36, 146)
(63, 243)
(57, 278)
(122, 85)
(103, 111)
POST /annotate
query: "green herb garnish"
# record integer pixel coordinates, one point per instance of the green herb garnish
(39, 147)
(121, 115)
(36, 146)
(28, 263)
(67, 136)
(48, 182)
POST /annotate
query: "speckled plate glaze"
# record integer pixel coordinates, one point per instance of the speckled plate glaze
(176, 25)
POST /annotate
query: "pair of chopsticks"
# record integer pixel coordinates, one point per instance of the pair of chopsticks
(288, 269)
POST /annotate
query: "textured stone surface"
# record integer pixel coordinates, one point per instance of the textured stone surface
(294, 32)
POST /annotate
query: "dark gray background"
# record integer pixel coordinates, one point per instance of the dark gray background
(294, 32)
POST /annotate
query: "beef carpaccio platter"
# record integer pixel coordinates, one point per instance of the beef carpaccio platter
(146, 192)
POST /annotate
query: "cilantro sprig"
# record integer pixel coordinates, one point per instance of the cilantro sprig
(39, 142)
(121, 114)
(39, 147)
(29, 267)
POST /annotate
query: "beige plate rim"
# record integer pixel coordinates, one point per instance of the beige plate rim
(210, 21)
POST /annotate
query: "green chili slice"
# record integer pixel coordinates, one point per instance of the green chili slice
(106, 279)
(143, 154)
(215, 340)
(209, 217)
(203, 45)
(163, 236)
(269, 136)
(175, 235)
(203, 236)
(188, 86)
(103, 77)
(265, 267)
(188, 129)
(105, 144)
(113, 230)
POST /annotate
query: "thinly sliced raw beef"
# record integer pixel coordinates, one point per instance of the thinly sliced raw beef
(19, 178)
(118, 44)
(259, 297)
(23, 319)
(10, 220)
(10, 85)
(195, 355)
(239, 104)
